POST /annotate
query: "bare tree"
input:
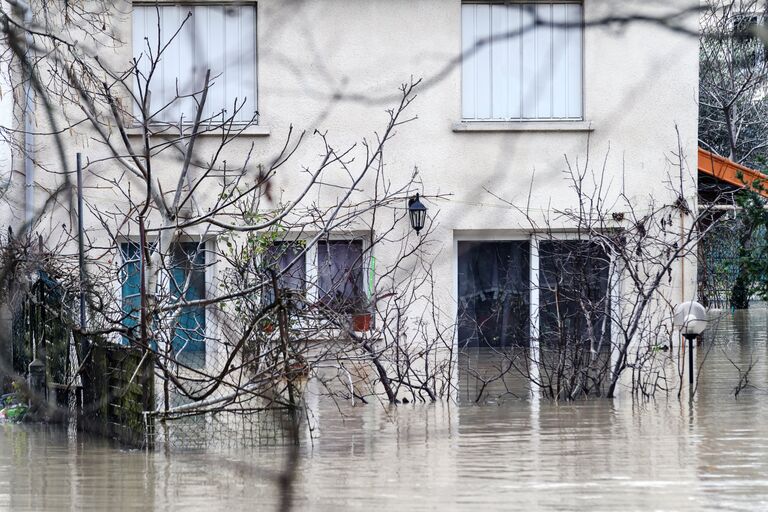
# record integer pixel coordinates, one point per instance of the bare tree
(733, 78)
(198, 264)
(604, 290)
(168, 227)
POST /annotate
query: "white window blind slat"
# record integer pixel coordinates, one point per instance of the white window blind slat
(468, 65)
(185, 69)
(139, 43)
(515, 53)
(233, 40)
(248, 69)
(544, 59)
(169, 23)
(206, 56)
(483, 80)
(215, 39)
(575, 56)
(500, 62)
(560, 61)
(528, 40)
(241, 32)
(530, 69)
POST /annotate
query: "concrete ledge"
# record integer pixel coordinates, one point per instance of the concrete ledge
(173, 131)
(522, 126)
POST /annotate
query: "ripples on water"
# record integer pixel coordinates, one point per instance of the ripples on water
(667, 454)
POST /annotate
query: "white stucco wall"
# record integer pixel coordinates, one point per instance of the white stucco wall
(335, 66)
(640, 84)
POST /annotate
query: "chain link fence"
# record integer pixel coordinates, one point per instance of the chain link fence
(718, 262)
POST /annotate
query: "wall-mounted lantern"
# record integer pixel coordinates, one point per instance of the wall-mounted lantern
(417, 212)
(691, 319)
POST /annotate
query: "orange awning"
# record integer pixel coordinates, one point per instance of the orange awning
(730, 172)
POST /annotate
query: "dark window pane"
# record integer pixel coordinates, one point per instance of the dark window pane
(188, 277)
(278, 256)
(494, 293)
(340, 274)
(130, 285)
(573, 294)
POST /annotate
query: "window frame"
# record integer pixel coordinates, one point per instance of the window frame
(364, 263)
(304, 291)
(206, 246)
(311, 293)
(312, 265)
(514, 124)
(191, 3)
(534, 238)
(474, 344)
(602, 257)
(201, 249)
(123, 274)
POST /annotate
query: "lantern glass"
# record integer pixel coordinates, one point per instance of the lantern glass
(417, 212)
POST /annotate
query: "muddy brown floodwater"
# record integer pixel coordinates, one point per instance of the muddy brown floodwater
(664, 454)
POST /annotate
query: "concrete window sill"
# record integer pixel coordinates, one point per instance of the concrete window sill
(172, 131)
(522, 126)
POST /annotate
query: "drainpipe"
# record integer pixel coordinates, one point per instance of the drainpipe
(27, 113)
(682, 260)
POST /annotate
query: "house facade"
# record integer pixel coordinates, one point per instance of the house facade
(515, 101)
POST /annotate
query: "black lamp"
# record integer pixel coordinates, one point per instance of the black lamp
(417, 212)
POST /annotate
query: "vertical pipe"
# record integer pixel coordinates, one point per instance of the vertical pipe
(29, 136)
(81, 252)
(682, 260)
(690, 360)
(143, 284)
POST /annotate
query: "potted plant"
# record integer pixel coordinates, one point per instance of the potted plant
(361, 316)
(267, 325)
(362, 321)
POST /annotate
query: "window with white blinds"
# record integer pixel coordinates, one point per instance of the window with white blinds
(522, 61)
(219, 37)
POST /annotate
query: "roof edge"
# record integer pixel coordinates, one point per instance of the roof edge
(730, 172)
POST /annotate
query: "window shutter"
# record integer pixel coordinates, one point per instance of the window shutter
(219, 37)
(521, 61)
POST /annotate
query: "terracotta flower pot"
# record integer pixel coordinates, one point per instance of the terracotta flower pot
(361, 322)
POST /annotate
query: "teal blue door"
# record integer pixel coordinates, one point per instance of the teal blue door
(130, 287)
(188, 281)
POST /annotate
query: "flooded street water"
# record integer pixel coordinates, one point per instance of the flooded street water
(664, 454)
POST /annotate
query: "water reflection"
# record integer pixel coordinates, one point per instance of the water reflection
(665, 454)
